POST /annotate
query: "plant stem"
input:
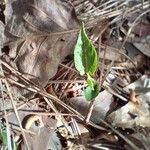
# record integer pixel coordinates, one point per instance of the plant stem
(90, 109)
(91, 106)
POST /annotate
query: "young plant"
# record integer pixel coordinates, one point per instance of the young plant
(86, 62)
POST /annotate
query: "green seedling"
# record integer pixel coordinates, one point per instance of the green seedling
(86, 62)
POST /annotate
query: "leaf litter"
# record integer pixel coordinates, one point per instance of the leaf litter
(35, 39)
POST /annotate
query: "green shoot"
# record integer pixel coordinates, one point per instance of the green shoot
(86, 62)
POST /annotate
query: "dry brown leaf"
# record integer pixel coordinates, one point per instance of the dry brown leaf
(44, 139)
(35, 16)
(136, 111)
(144, 45)
(141, 138)
(142, 29)
(103, 105)
(38, 56)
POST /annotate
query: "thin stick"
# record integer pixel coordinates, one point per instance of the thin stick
(48, 114)
(66, 81)
(15, 110)
(7, 124)
(90, 110)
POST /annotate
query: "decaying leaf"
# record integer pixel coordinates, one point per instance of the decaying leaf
(27, 22)
(141, 138)
(134, 113)
(46, 139)
(142, 29)
(144, 45)
(103, 104)
(30, 17)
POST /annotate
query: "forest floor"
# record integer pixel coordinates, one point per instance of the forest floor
(42, 94)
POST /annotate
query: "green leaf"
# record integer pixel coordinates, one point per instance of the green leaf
(89, 53)
(78, 55)
(90, 81)
(90, 94)
(85, 56)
